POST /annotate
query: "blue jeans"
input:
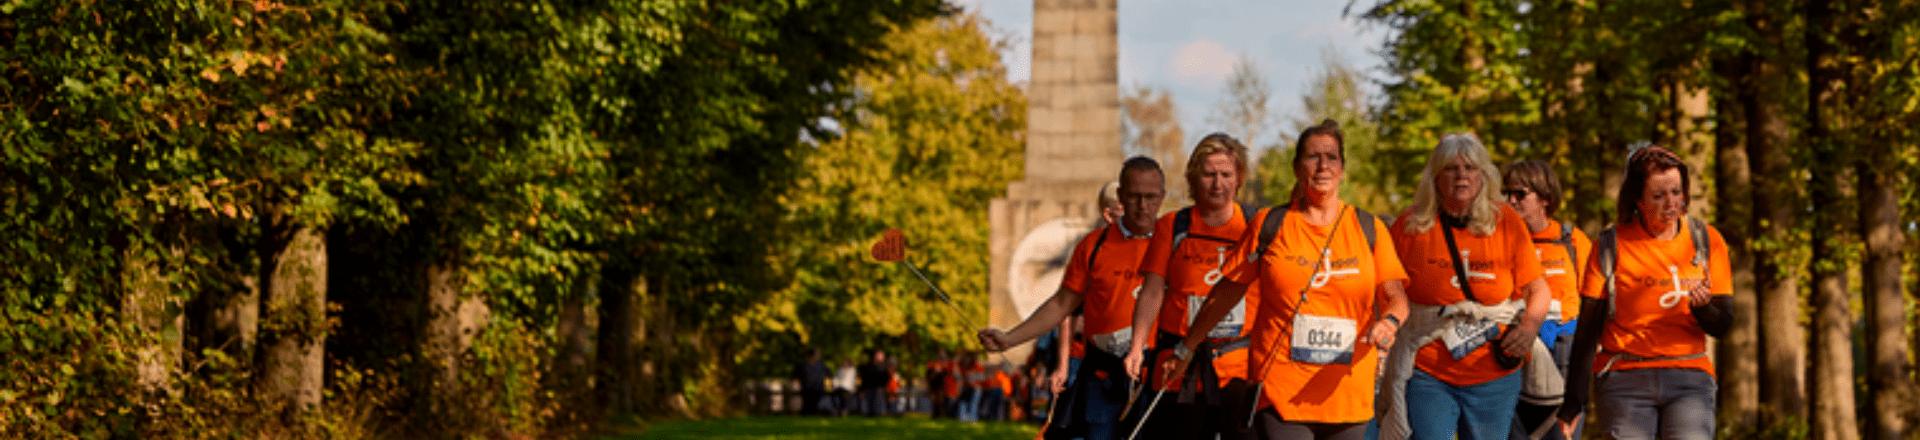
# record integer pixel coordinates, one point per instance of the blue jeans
(1103, 401)
(1660, 403)
(1437, 410)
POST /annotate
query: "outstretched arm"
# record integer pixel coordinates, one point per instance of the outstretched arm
(1049, 314)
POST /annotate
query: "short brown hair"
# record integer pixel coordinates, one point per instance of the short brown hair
(1215, 144)
(1538, 177)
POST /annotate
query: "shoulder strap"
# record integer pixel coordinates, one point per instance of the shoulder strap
(1606, 253)
(1698, 229)
(1573, 257)
(1269, 228)
(1094, 255)
(1366, 226)
(1246, 213)
(1182, 221)
(1459, 269)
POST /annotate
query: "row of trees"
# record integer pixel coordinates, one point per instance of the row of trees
(1796, 118)
(346, 218)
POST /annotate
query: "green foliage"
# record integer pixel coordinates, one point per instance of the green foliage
(1336, 94)
(930, 136)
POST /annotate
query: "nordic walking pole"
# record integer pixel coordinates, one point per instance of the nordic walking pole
(893, 247)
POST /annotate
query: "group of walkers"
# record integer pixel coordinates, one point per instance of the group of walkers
(1471, 314)
(871, 388)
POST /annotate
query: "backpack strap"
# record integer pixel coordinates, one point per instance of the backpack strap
(1606, 253)
(1573, 258)
(1566, 241)
(1182, 221)
(1094, 255)
(1698, 229)
(1270, 227)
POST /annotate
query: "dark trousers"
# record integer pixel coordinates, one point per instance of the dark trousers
(810, 401)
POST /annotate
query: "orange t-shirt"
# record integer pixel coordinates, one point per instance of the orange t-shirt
(1497, 266)
(1002, 381)
(976, 376)
(1563, 274)
(1345, 285)
(1109, 289)
(1190, 273)
(1648, 272)
(952, 385)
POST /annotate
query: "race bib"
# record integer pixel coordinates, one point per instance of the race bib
(1462, 338)
(1554, 311)
(1323, 339)
(1229, 326)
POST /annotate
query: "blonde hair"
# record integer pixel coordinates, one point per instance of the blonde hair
(1215, 144)
(1483, 211)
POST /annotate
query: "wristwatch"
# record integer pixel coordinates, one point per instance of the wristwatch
(1182, 352)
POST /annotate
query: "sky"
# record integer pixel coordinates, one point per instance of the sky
(1189, 47)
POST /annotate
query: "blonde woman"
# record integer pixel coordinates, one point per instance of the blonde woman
(1477, 301)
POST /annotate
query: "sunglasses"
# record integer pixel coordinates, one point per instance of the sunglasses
(1515, 193)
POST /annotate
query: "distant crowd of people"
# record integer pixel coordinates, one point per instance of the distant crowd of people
(958, 387)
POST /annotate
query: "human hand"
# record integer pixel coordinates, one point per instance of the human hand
(1699, 295)
(1518, 340)
(1380, 334)
(993, 340)
(1057, 381)
(1133, 364)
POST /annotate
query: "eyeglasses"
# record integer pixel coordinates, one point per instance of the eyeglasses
(1516, 193)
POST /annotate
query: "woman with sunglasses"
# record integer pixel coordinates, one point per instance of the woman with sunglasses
(1533, 190)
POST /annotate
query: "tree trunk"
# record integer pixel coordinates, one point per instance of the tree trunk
(151, 304)
(619, 328)
(294, 306)
(1889, 373)
(1783, 342)
(452, 320)
(1832, 376)
(1736, 354)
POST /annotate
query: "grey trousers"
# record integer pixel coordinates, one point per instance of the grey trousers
(1666, 404)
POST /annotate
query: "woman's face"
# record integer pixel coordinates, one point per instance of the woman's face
(1320, 168)
(1218, 181)
(1525, 201)
(1664, 201)
(1459, 182)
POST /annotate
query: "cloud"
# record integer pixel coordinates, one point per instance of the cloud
(1201, 64)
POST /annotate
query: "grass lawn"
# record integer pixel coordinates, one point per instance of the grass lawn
(814, 428)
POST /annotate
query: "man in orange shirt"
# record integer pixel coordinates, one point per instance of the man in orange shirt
(1102, 278)
(1335, 297)
(1660, 285)
(1181, 266)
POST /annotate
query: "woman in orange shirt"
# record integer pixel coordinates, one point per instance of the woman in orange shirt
(1654, 377)
(1334, 291)
(1478, 300)
(1180, 266)
(1534, 192)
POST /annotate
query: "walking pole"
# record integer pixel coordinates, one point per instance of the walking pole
(892, 247)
